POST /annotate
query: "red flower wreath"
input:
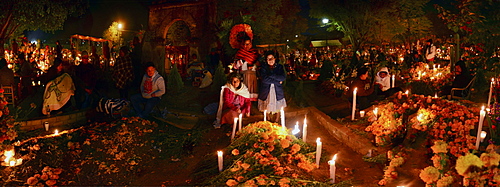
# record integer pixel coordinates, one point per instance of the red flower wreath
(233, 35)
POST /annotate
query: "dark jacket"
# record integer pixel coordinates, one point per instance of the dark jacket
(271, 76)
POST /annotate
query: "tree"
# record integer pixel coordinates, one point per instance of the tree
(112, 33)
(47, 15)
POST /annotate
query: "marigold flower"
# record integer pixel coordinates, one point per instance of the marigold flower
(44, 177)
(231, 182)
(439, 147)
(429, 174)
(445, 181)
(490, 159)
(464, 162)
(284, 182)
(50, 182)
(285, 143)
(250, 182)
(32, 181)
(245, 166)
(235, 152)
(295, 148)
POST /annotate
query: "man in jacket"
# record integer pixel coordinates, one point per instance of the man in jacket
(152, 88)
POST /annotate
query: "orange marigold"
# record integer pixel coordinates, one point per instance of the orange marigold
(235, 152)
(284, 182)
(295, 148)
(285, 143)
(231, 182)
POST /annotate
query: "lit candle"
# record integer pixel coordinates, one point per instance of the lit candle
(419, 75)
(332, 168)
(46, 124)
(282, 115)
(375, 112)
(12, 163)
(319, 144)
(362, 113)
(8, 154)
(56, 132)
(239, 124)
(483, 135)
(393, 81)
(491, 90)
(354, 103)
(296, 129)
(304, 130)
(407, 92)
(435, 95)
(219, 160)
(234, 128)
(480, 126)
(265, 115)
(33, 83)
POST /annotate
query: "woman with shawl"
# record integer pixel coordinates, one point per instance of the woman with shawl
(234, 100)
(271, 96)
(245, 62)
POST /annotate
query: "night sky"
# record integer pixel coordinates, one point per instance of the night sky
(101, 14)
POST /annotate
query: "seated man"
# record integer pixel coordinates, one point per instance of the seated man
(152, 88)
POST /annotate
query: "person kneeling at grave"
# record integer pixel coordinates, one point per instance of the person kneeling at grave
(365, 90)
(152, 88)
(383, 79)
(234, 100)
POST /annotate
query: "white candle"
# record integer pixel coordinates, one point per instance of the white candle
(282, 115)
(393, 81)
(304, 130)
(332, 168)
(56, 132)
(362, 113)
(239, 124)
(354, 103)
(234, 128)
(220, 160)
(375, 112)
(12, 163)
(46, 126)
(265, 115)
(491, 90)
(480, 126)
(296, 130)
(435, 95)
(319, 144)
(483, 135)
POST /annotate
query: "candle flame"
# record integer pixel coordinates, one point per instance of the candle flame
(56, 132)
(334, 157)
(318, 140)
(407, 92)
(219, 153)
(296, 130)
(483, 134)
(482, 108)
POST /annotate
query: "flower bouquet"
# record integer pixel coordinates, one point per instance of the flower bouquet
(387, 126)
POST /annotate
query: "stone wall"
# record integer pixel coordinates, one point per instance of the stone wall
(55, 121)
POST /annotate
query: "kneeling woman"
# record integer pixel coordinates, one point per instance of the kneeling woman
(234, 100)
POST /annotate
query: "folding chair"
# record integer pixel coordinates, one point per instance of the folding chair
(465, 92)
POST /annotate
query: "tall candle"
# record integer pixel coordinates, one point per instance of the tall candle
(480, 126)
(282, 115)
(304, 130)
(219, 160)
(319, 145)
(265, 115)
(239, 124)
(234, 128)
(332, 168)
(354, 103)
(491, 90)
(393, 81)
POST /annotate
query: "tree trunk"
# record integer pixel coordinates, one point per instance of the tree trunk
(2, 48)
